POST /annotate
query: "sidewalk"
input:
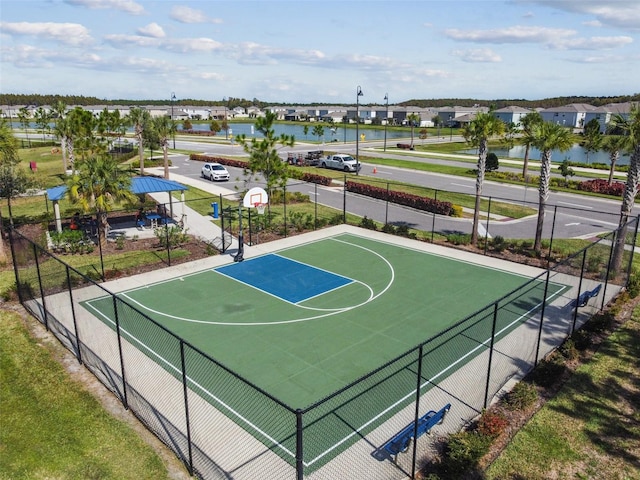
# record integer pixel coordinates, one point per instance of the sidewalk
(201, 226)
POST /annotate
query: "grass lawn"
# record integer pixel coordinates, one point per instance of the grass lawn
(591, 429)
(52, 427)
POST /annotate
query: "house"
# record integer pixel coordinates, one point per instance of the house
(571, 116)
(512, 114)
(450, 115)
(605, 114)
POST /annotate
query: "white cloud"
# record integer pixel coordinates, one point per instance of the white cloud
(183, 14)
(515, 34)
(624, 14)
(592, 23)
(152, 30)
(593, 43)
(478, 55)
(127, 41)
(127, 6)
(67, 33)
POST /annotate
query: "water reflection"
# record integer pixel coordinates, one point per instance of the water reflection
(575, 154)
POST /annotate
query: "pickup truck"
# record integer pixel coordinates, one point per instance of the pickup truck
(340, 162)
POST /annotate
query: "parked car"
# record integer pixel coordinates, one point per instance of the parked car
(214, 171)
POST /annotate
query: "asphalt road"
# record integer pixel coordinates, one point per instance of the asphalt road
(570, 216)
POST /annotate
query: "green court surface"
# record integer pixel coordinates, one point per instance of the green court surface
(300, 342)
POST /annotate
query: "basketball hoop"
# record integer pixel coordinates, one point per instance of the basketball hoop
(260, 207)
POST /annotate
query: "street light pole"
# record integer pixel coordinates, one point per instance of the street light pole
(450, 129)
(386, 120)
(358, 95)
(173, 97)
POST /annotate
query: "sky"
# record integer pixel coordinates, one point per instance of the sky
(308, 51)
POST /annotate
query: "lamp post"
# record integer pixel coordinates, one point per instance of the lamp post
(450, 128)
(386, 120)
(358, 95)
(226, 130)
(173, 97)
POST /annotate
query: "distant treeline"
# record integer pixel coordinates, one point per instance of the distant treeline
(231, 102)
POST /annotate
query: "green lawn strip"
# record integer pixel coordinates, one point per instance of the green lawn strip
(591, 427)
(52, 427)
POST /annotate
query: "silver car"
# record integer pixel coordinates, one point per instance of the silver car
(214, 171)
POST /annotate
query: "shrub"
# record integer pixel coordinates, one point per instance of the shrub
(401, 198)
(457, 211)
(521, 397)
(599, 323)
(492, 423)
(498, 243)
(459, 238)
(492, 163)
(549, 371)
(602, 186)
(368, 223)
(633, 285)
(464, 451)
(581, 339)
(569, 350)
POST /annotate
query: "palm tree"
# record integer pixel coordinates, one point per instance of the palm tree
(477, 133)
(592, 138)
(547, 137)
(528, 123)
(413, 119)
(631, 128)
(165, 128)
(613, 145)
(61, 130)
(97, 185)
(139, 119)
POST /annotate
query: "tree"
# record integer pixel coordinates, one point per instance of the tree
(97, 185)
(547, 137)
(413, 119)
(528, 124)
(305, 130)
(511, 131)
(592, 138)
(423, 134)
(566, 170)
(61, 131)
(13, 179)
(187, 125)
(214, 126)
(492, 162)
(165, 128)
(613, 145)
(477, 133)
(140, 120)
(42, 118)
(318, 131)
(631, 128)
(24, 117)
(263, 153)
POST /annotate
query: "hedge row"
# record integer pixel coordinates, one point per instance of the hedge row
(407, 199)
(602, 186)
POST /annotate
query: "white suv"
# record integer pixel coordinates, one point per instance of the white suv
(214, 171)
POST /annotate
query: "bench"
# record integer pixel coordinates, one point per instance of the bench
(584, 297)
(404, 146)
(400, 442)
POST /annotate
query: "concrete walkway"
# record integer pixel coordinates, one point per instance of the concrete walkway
(201, 226)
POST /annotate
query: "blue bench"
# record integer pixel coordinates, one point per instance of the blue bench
(401, 441)
(584, 297)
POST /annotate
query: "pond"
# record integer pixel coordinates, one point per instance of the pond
(337, 133)
(575, 154)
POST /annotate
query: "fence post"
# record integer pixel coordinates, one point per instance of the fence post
(125, 402)
(284, 208)
(299, 445)
(553, 229)
(98, 230)
(486, 233)
(544, 304)
(493, 335)
(315, 205)
(620, 231)
(386, 204)
(416, 414)
(629, 267)
(344, 201)
(15, 264)
(186, 405)
(73, 314)
(44, 307)
(575, 310)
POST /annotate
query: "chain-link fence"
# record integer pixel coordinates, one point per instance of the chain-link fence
(222, 426)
